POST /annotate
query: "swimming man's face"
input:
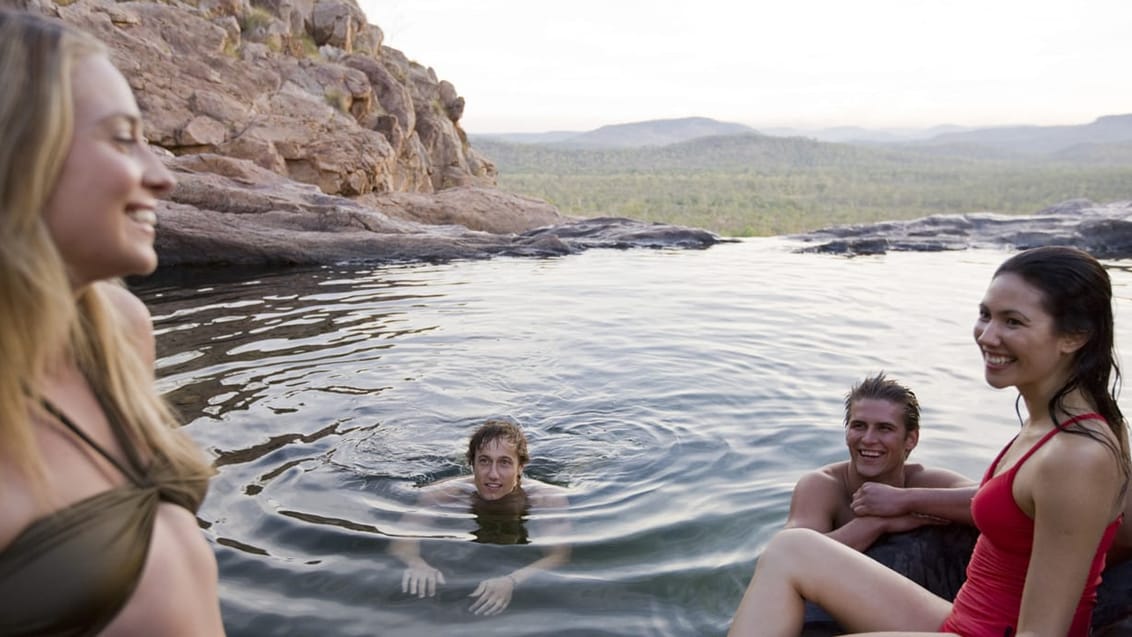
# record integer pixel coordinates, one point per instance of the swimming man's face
(496, 469)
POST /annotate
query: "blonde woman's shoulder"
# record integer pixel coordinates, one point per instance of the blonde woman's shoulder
(128, 305)
(132, 311)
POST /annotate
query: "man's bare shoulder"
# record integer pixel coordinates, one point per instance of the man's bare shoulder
(827, 482)
(829, 474)
(820, 497)
(450, 491)
(545, 495)
(920, 477)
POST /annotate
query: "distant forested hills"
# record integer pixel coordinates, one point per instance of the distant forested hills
(1040, 140)
(731, 153)
(1002, 141)
(746, 183)
(659, 132)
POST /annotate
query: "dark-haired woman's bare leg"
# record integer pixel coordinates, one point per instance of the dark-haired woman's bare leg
(862, 594)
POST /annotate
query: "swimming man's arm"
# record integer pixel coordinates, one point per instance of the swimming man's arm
(420, 578)
(493, 595)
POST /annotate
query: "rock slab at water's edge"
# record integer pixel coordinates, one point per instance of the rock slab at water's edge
(228, 211)
(1103, 230)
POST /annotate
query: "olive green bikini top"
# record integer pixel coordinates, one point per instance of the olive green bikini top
(72, 571)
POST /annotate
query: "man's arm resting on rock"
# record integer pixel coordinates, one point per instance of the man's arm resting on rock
(814, 503)
(951, 502)
(817, 496)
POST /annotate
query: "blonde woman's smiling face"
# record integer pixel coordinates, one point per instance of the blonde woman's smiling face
(102, 210)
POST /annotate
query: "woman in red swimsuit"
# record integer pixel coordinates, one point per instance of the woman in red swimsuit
(98, 486)
(1048, 507)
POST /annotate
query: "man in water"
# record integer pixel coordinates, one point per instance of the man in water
(497, 452)
(876, 491)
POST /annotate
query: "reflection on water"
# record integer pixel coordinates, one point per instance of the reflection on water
(502, 521)
(677, 395)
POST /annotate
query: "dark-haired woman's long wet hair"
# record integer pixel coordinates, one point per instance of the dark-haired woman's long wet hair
(1077, 293)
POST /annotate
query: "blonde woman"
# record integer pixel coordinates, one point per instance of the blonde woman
(97, 485)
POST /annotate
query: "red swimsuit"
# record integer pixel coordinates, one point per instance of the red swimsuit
(989, 602)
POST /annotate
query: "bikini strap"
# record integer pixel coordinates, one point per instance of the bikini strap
(54, 411)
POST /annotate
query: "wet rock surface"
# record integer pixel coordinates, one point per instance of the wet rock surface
(1104, 230)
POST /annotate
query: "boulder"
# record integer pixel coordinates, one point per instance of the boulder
(336, 22)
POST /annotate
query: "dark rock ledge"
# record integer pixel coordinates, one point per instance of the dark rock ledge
(1103, 230)
(227, 212)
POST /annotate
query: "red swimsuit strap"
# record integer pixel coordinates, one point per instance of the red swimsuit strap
(1061, 426)
(1092, 415)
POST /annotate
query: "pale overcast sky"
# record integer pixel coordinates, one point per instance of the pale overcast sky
(538, 65)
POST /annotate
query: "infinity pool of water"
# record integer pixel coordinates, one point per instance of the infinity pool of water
(676, 395)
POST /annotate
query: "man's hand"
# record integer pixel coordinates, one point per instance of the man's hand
(421, 580)
(902, 523)
(874, 498)
(494, 595)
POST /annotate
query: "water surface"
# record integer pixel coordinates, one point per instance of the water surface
(677, 395)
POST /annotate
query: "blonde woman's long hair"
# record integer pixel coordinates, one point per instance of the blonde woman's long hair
(42, 319)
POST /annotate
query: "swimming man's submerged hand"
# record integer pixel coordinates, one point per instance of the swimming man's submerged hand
(494, 595)
(421, 580)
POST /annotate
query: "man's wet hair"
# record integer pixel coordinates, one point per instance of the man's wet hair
(499, 429)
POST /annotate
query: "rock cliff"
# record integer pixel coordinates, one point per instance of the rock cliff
(298, 137)
(303, 88)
